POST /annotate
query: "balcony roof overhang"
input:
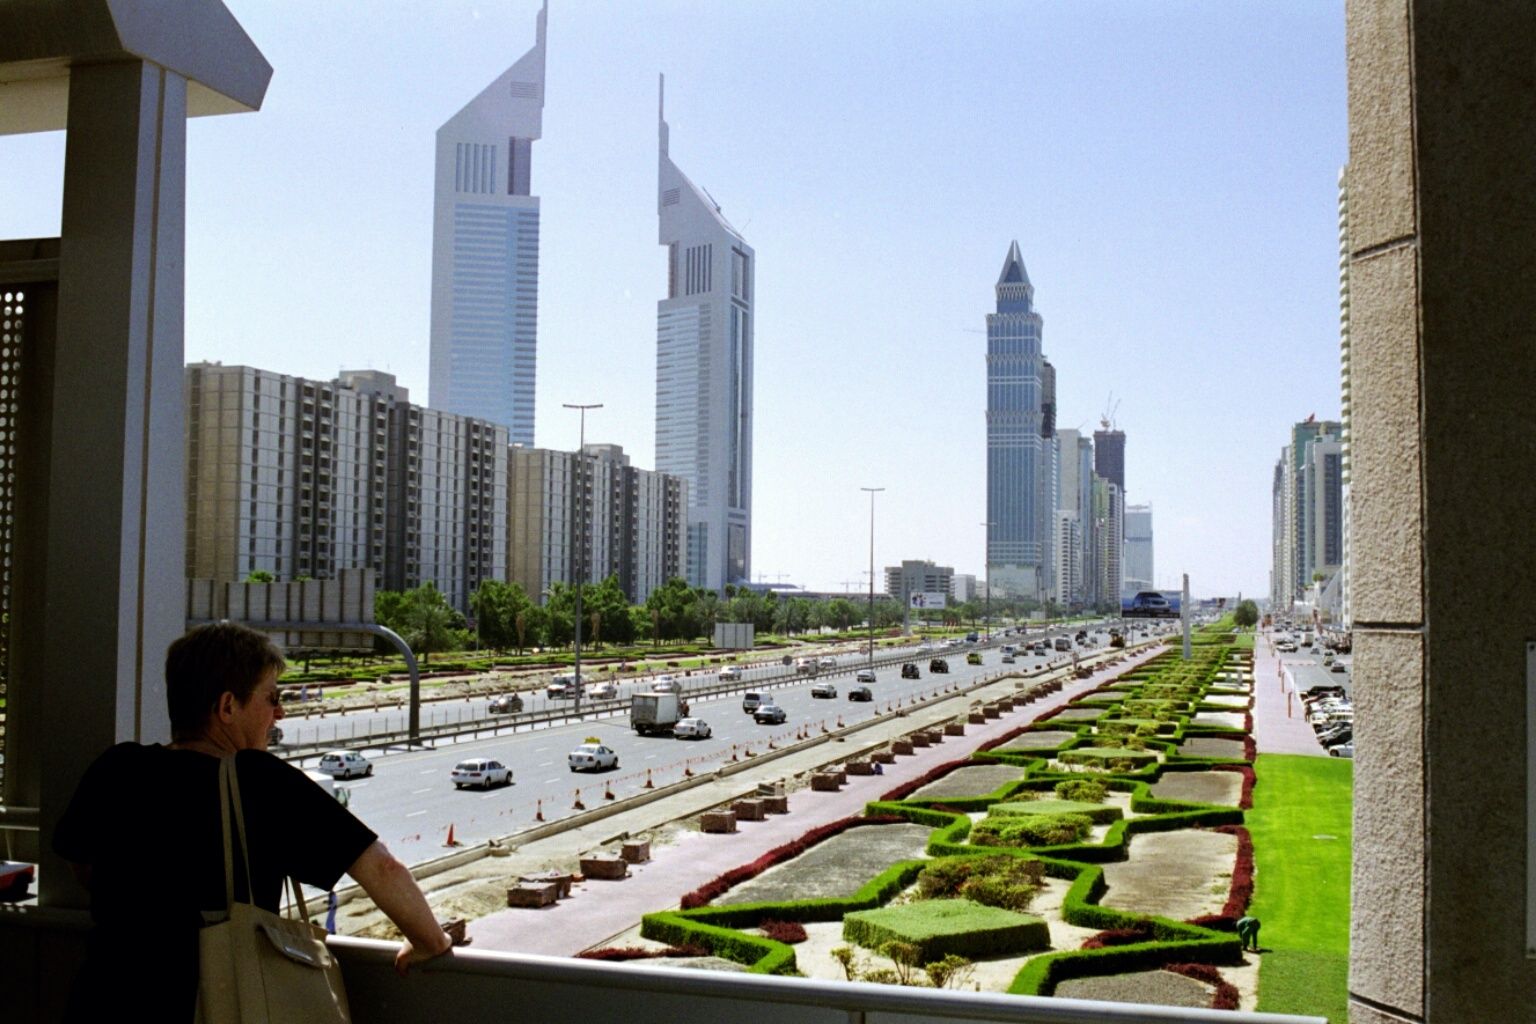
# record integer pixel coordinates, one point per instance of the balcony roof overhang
(40, 40)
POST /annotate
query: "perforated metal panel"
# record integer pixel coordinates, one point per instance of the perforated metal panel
(13, 310)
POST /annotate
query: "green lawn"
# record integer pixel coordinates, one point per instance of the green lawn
(1301, 886)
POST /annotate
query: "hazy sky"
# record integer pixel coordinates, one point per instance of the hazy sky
(1169, 169)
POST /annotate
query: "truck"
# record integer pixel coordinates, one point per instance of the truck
(656, 712)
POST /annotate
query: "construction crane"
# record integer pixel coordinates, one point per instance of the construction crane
(1111, 406)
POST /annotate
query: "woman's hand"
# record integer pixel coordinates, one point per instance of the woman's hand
(453, 934)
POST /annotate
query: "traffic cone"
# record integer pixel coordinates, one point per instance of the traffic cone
(733, 753)
(578, 805)
(451, 841)
(770, 744)
(839, 721)
(687, 771)
(538, 811)
(608, 791)
(648, 783)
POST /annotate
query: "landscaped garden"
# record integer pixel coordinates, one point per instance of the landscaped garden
(1100, 851)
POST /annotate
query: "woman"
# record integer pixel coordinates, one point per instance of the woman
(143, 834)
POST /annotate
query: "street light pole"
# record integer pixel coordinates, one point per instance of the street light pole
(872, 492)
(581, 545)
(987, 576)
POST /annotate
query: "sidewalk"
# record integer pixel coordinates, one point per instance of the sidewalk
(1279, 718)
(601, 910)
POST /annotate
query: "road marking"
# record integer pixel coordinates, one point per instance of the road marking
(416, 814)
(358, 785)
(429, 771)
(546, 764)
(488, 796)
(650, 757)
(539, 750)
(551, 782)
(418, 792)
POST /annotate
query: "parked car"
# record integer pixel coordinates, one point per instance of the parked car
(824, 690)
(909, 670)
(974, 658)
(481, 771)
(730, 674)
(1338, 666)
(864, 675)
(861, 693)
(344, 764)
(691, 729)
(506, 704)
(602, 691)
(592, 757)
(750, 701)
(1342, 749)
(769, 714)
(938, 665)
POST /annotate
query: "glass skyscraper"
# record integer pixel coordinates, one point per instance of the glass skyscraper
(704, 330)
(485, 252)
(1018, 547)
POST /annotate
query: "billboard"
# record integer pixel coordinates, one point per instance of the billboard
(1151, 604)
(925, 600)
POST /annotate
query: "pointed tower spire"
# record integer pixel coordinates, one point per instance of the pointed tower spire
(1013, 268)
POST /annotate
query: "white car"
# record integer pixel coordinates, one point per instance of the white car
(666, 684)
(691, 729)
(602, 691)
(481, 771)
(730, 674)
(827, 663)
(562, 686)
(344, 764)
(592, 757)
(924, 648)
(864, 675)
(821, 690)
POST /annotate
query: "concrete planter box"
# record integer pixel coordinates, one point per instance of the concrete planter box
(604, 866)
(778, 804)
(531, 894)
(749, 810)
(825, 782)
(918, 739)
(861, 768)
(954, 729)
(935, 736)
(991, 711)
(717, 821)
(637, 851)
(884, 756)
(976, 718)
(900, 747)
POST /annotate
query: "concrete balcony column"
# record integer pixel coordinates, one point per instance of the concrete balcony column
(113, 591)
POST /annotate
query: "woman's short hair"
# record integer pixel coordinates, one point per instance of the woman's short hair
(210, 660)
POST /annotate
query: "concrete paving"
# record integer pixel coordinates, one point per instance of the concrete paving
(1279, 718)
(599, 911)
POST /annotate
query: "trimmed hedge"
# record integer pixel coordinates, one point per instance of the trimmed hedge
(940, 927)
(1098, 813)
(720, 884)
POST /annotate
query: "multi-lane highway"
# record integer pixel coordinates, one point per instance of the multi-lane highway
(411, 802)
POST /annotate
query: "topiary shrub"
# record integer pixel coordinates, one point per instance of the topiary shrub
(1088, 791)
(940, 927)
(787, 932)
(1031, 830)
(999, 881)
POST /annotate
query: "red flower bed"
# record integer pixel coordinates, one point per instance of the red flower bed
(1226, 996)
(1245, 801)
(619, 953)
(1250, 749)
(789, 932)
(709, 890)
(1117, 937)
(1241, 893)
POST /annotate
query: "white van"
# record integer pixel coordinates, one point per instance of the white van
(751, 700)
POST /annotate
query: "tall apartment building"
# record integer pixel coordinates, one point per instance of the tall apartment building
(704, 355)
(593, 516)
(1068, 576)
(914, 576)
(1074, 494)
(1018, 539)
(1109, 529)
(1308, 535)
(301, 477)
(1346, 413)
(1138, 548)
(1109, 456)
(485, 251)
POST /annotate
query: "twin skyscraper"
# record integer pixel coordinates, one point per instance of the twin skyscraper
(485, 288)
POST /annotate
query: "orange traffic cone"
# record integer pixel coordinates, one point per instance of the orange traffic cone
(608, 791)
(839, 721)
(687, 771)
(733, 753)
(648, 783)
(538, 811)
(451, 841)
(578, 805)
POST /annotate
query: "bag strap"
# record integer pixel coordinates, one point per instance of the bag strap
(229, 797)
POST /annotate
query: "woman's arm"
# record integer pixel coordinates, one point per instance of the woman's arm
(389, 883)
